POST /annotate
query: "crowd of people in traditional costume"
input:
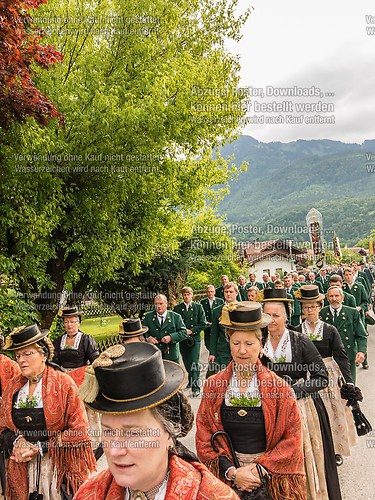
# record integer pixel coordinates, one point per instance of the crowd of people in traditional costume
(279, 404)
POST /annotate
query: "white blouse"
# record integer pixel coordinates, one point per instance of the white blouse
(283, 349)
(24, 391)
(233, 390)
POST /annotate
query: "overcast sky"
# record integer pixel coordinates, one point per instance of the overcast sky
(323, 43)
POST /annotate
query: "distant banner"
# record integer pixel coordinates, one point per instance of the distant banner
(314, 221)
(336, 246)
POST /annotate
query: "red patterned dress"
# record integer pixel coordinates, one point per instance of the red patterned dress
(187, 481)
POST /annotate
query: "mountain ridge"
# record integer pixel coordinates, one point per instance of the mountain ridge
(285, 180)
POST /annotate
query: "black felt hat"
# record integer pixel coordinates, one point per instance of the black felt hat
(272, 295)
(23, 336)
(309, 293)
(68, 312)
(129, 378)
(132, 327)
(244, 315)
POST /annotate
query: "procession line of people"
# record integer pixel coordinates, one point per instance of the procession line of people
(272, 422)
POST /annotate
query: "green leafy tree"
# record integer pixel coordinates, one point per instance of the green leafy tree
(15, 309)
(200, 260)
(148, 93)
(213, 251)
(364, 243)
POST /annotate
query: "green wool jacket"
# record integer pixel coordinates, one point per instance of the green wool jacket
(194, 318)
(173, 326)
(350, 327)
(362, 277)
(359, 293)
(318, 283)
(296, 306)
(242, 292)
(219, 345)
(207, 309)
(324, 282)
(349, 300)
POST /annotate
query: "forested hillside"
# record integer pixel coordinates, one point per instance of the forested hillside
(284, 181)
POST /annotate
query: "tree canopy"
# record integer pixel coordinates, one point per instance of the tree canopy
(148, 92)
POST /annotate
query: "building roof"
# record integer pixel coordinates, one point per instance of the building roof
(260, 250)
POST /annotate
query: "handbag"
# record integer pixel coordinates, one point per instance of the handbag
(190, 342)
(369, 320)
(362, 425)
(261, 493)
(353, 394)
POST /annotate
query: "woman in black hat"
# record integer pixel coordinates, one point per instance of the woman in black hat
(73, 352)
(75, 348)
(294, 357)
(143, 415)
(43, 426)
(130, 330)
(258, 412)
(327, 340)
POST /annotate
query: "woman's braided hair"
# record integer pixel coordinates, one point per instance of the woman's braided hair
(176, 415)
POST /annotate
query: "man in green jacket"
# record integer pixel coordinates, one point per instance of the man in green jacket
(360, 295)
(290, 288)
(219, 345)
(349, 324)
(336, 280)
(253, 282)
(242, 287)
(194, 318)
(358, 291)
(209, 303)
(219, 291)
(165, 329)
(323, 278)
(360, 276)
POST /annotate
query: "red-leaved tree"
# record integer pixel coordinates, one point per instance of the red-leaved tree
(19, 48)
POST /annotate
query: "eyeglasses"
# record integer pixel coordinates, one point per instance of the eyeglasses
(310, 307)
(26, 355)
(70, 321)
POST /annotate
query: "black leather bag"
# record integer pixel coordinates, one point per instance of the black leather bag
(362, 425)
(353, 395)
(35, 496)
(190, 342)
(261, 493)
(258, 494)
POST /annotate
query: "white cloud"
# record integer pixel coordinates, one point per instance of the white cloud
(322, 44)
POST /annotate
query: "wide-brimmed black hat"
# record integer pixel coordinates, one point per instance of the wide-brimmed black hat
(272, 295)
(244, 315)
(66, 312)
(309, 293)
(129, 378)
(132, 327)
(23, 336)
